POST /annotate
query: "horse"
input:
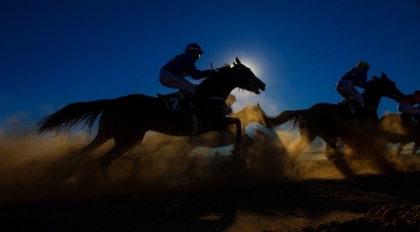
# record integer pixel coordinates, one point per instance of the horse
(247, 115)
(323, 120)
(127, 119)
(405, 130)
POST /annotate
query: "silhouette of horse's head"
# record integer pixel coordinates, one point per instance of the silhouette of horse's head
(248, 79)
(385, 87)
(232, 76)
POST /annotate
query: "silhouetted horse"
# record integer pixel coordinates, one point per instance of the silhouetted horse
(323, 119)
(404, 130)
(247, 115)
(250, 114)
(127, 119)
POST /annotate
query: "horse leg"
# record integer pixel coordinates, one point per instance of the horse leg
(122, 146)
(83, 167)
(415, 148)
(337, 157)
(330, 149)
(230, 121)
(99, 139)
(401, 147)
(306, 138)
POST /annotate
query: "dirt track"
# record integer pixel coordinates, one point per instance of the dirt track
(241, 207)
(45, 187)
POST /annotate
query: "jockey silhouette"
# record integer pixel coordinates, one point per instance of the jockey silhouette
(173, 73)
(357, 76)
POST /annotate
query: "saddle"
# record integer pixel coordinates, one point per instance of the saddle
(172, 100)
(173, 103)
(351, 110)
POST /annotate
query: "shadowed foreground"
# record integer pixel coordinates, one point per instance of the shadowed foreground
(45, 186)
(285, 206)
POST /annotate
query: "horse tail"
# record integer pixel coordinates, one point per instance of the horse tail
(72, 114)
(291, 116)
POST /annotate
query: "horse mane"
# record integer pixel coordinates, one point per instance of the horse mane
(247, 107)
(376, 78)
(220, 70)
(251, 107)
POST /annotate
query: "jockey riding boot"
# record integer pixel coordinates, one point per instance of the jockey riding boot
(362, 114)
(414, 120)
(186, 104)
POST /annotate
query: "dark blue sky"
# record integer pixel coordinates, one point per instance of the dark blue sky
(57, 52)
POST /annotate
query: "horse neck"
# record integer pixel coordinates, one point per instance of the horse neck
(371, 99)
(211, 89)
(241, 115)
(248, 116)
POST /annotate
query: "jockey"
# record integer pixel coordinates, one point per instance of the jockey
(357, 76)
(173, 73)
(406, 105)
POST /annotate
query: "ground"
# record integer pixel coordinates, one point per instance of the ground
(290, 206)
(171, 192)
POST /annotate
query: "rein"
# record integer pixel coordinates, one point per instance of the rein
(217, 98)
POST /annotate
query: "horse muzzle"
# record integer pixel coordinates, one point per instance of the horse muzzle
(260, 87)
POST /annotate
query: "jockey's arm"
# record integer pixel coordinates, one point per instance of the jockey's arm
(194, 72)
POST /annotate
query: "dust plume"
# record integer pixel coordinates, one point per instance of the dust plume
(311, 162)
(45, 167)
(367, 152)
(363, 150)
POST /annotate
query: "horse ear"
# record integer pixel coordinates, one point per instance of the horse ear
(238, 61)
(384, 75)
(234, 64)
(258, 104)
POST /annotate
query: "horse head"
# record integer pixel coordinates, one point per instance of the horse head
(250, 114)
(211, 93)
(385, 87)
(230, 77)
(246, 79)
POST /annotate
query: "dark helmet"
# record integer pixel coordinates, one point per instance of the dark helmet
(194, 47)
(363, 65)
(417, 92)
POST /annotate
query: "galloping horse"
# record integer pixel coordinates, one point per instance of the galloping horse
(250, 114)
(405, 130)
(323, 119)
(127, 119)
(247, 115)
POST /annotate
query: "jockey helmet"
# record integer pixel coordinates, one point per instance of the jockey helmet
(194, 47)
(417, 92)
(363, 65)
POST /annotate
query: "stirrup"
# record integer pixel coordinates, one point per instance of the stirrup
(193, 108)
(413, 120)
(190, 109)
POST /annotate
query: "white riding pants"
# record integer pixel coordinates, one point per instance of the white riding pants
(171, 80)
(408, 109)
(346, 89)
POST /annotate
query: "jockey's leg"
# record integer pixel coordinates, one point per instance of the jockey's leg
(344, 88)
(168, 79)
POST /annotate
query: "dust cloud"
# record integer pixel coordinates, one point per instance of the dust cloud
(368, 152)
(45, 167)
(37, 167)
